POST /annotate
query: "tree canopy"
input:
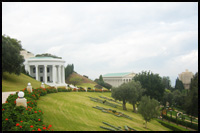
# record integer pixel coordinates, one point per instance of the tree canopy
(12, 61)
(69, 70)
(128, 92)
(167, 97)
(166, 82)
(135, 92)
(121, 93)
(148, 108)
(47, 55)
(179, 85)
(191, 101)
(75, 80)
(152, 83)
(102, 83)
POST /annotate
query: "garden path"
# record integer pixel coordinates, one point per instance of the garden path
(5, 95)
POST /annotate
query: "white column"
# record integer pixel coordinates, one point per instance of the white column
(59, 74)
(54, 74)
(45, 74)
(63, 74)
(36, 72)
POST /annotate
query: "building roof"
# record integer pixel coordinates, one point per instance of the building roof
(116, 74)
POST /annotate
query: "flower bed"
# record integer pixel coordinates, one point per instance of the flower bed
(104, 102)
(114, 128)
(114, 112)
(19, 118)
(110, 99)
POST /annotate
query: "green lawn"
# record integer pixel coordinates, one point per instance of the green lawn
(72, 111)
(12, 82)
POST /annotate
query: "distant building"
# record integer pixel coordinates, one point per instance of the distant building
(116, 79)
(186, 77)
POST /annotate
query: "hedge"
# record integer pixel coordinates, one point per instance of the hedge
(181, 122)
(171, 126)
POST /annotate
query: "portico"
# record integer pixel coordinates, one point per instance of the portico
(49, 70)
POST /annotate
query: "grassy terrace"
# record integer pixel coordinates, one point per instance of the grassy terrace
(72, 111)
(12, 82)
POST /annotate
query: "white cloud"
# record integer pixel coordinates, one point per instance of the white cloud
(109, 37)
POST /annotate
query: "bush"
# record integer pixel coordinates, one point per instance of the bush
(171, 126)
(51, 90)
(62, 90)
(181, 122)
(19, 118)
(98, 86)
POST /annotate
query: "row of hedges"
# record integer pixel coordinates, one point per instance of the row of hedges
(171, 126)
(181, 122)
(80, 90)
(19, 118)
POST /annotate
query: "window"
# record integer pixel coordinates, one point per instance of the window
(41, 79)
(48, 69)
(34, 70)
(41, 70)
(48, 78)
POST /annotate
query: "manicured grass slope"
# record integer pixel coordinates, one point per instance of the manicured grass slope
(72, 111)
(12, 82)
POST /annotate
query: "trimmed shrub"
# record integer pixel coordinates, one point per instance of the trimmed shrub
(51, 90)
(98, 86)
(171, 126)
(181, 122)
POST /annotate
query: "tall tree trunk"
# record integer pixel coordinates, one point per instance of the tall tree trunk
(146, 124)
(134, 107)
(124, 105)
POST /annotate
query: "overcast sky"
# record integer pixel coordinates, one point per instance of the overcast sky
(100, 38)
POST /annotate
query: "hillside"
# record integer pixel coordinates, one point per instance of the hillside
(12, 82)
(85, 81)
(73, 111)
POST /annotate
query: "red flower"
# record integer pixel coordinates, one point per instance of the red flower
(17, 124)
(21, 121)
(50, 125)
(20, 126)
(39, 129)
(15, 102)
(44, 128)
(3, 109)
(39, 110)
(26, 108)
(38, 119)
(35, 111)
(31, 103)
(6, 101)
(6, 119)
(31, 126)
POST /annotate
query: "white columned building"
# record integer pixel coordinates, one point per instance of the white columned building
(116, 79)
(47, 69)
